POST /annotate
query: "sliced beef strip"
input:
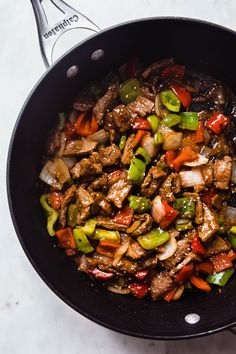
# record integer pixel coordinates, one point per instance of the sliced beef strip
(152, 181)
(101, 206)
(149, 91)
(53, 143)
(170, 187)
(150, 262)
(66, 199)
(219, 145)
(222, 172)
(182, 251)
(87, 167)
(106, 101)
(83, 103)
(160, 284)
(140, 107)
(83, 214)
(217, 245)
(135, 251)
(210, 224)
(109, 224)
(109, 155)
(99, 183)
(155, 67)
(122, 118)
(128, 150)
(79, 147)
(207, 173)
(110, 126)
(127, 266)
(145, 226)
(119, 191)
(199, 207)
(84, 197)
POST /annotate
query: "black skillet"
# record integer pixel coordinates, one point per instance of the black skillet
(200, 45)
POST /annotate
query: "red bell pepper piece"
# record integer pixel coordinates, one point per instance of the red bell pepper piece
(54, 199)
(107, 247)
(169, 296)
(131, 67)
(217, 122)
(170, 216)
(184, 273)
(186, 155)
(173, 72)
(141, 274)
(199, 135)
(200, 283)
(65, 238)
(124, 216)
(69, 131)
(221, 262)
(141, 123)
(170, 156)
(183, 95)
(205, 267)
(138, 137)
(70, 252)
(138, 289)
(197, 246)
(86, 124)
(99, 274)
(232, 255)
(207, 196)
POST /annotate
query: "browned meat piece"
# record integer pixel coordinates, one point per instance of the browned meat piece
(122, 118)
(219, 146)
(145, 226)
(170, 187)
(160, 284)
(66, 199)
(128, 150)
(110, 126)
(217, 245)
(83, 103)
(135, 251)
(79, 147)
(152, 181)
(199, 207)
(83, 214)
(140, 107)
(99, 183)
(154, 67)
(108, 223)
(109, 155)
(207, 173)
(87, 167)
(53, 142)
(210, 224)
(127, 266)
(150, 262)
(183, 250)
(149, 91)
(101, 205)
(222, 172)
(105, 102)
(119, 191)
(84, 197)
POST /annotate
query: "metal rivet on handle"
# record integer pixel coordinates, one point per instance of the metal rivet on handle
(72, 72)
(192, 318)
(97, 54)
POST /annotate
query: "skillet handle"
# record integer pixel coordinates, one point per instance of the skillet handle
(49, 34)
(232, 331)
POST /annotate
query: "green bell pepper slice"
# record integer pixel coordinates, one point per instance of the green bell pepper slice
(139, 204)
(170, 120)
(143, 154)
(52, 214)
(89, 227)
(233, 230)
(101, 233)
(136, 171)
(158, 138)
(220, 278)
(183, 226)
(154, 122)
(129, 91)
(72, 214)
(82, 243)
(170, 100)
(153, 239)
(232, 240)
(188, 120)
(122, 142)
(186, 206)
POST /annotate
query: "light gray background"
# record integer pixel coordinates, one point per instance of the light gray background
(32, 319)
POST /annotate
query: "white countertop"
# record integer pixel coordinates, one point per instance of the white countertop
(32, 319)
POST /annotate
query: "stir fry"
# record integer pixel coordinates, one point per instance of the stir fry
(139, 180)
